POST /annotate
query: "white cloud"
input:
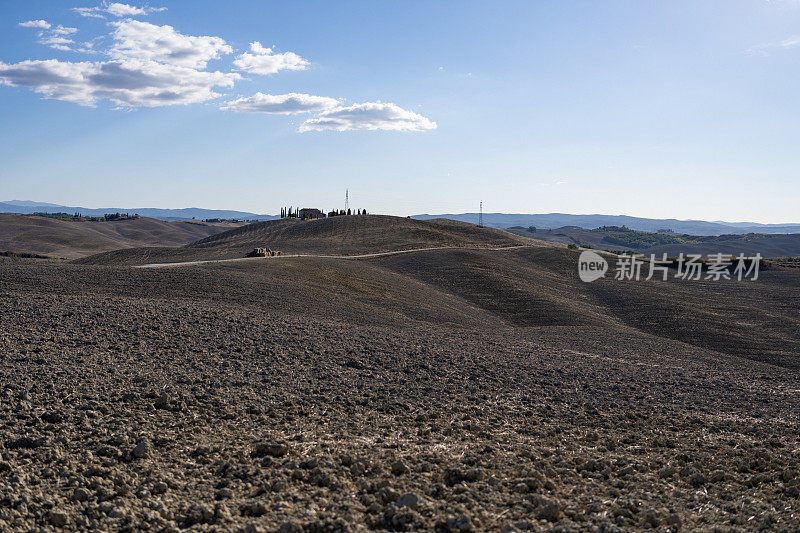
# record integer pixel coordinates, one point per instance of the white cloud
(125, 10)
(116, 9)
(62, 30)
(128, 83)
(148, 65)
(281, 104)
(57, 38)
(49, 36)
(54, 41)
(87, 47)
(265, 61)
(555, 183)
(41, 24)
(791, 42)
(765, 49)
(134, 39)
(368, 116)
(93, 12)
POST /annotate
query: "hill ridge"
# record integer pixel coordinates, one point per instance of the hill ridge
(345, 235)
(71, 239)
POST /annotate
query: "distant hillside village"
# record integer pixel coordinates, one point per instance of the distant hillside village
(308, 213)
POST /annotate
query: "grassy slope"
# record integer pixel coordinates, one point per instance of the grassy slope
(72, 239)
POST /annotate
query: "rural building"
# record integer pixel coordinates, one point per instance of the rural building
(310, 213)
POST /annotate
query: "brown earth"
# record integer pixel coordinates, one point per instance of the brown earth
(71, 239)
(448, 390)
(344, 235)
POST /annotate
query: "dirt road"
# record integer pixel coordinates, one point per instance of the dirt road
(357, 256)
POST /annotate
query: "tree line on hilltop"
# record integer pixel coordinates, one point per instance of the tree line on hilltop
(289, 212)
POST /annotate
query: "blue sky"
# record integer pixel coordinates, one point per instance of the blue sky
(657, 109)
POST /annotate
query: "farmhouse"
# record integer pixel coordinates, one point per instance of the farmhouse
(308, 213)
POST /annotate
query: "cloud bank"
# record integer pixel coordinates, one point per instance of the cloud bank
(149, 65)
(129, 83)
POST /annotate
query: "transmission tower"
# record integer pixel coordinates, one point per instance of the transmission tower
(480, 216)
(346, 200)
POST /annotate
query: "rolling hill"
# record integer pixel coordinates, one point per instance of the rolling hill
(748, 244)
(72, 239)
(28, 207)
(393, 386)
(558, 220)
(538, 287)
(495, 220)
(625, 239)
(532, 286)
(344, 235)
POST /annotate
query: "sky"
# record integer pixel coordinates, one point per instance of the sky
(670, 109)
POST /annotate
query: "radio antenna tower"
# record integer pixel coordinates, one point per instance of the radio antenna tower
(480, 216)
(346, 200)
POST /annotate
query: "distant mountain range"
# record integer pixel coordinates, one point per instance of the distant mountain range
(27, 207)
(495, 220)
(558, 220)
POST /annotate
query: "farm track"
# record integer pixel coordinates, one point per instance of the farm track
(322, 256)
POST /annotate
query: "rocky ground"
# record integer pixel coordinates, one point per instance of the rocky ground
(143, 409)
